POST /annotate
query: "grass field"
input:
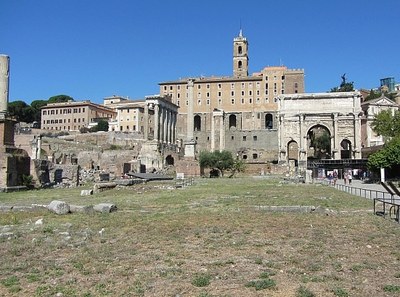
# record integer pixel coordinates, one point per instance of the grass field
(214, 238)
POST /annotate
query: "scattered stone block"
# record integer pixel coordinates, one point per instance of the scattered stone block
(39, 222)
(81, 209)
(99, 187)
(59, 207)
(105, 207)
(86, 192)
(5, 208)
(22, 208)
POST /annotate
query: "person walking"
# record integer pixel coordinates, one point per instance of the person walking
(350, 176)
(335, 176)
(346, 177)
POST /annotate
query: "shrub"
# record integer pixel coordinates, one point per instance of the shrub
(261, 284)
(201, 280)
(304, 292)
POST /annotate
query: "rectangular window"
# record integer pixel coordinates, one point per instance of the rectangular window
(199, 102)
(199, 87)
(208, 101)
(208, 94)
(244, 137)
(232, 85)
(250, 93)
(179, 87)
(219, 86)
(233, 101)
(242, 100)
(208, 86)
(219, 94)
(243, 85)
(219, 101)
(255, 137)
(242, 93)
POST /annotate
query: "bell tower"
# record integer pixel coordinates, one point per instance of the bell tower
(240, 56)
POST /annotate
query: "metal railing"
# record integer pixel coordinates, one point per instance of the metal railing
(362, 192)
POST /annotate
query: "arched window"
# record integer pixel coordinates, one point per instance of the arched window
(240, 64)
(169, 160)
(197, 123)
(269, 121)
(240, 50)
(232, 121)
(345, 149)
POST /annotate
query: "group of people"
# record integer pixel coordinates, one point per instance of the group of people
(347, 176)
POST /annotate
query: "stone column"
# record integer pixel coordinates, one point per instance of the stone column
(281, 143)
(169, 126)
(190, 119)
(357, 140)
(336, 144)
(173, 128)
(164, 125)
(190, 144)
(221, 133)
(301, 141)
(146, 121)
(156, 121)
(4, 84)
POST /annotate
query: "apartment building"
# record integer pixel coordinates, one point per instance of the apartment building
(73, 115)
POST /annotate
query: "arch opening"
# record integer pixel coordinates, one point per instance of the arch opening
(169, 160)
(232, 121)
(345, 149)
(319, 143)
(197, 123)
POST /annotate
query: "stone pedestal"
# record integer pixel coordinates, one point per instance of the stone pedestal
(190, 148)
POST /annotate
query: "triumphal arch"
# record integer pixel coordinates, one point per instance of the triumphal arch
(319, 126)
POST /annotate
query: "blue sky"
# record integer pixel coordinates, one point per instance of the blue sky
(90, 49)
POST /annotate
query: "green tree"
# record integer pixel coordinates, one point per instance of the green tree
(102, 125)
(36, 106)
(238, 166)
(388, 157)
(374, 94)
(21, 111)
(344, 86)
(60, 98)
(387, 124)
(221, 161)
